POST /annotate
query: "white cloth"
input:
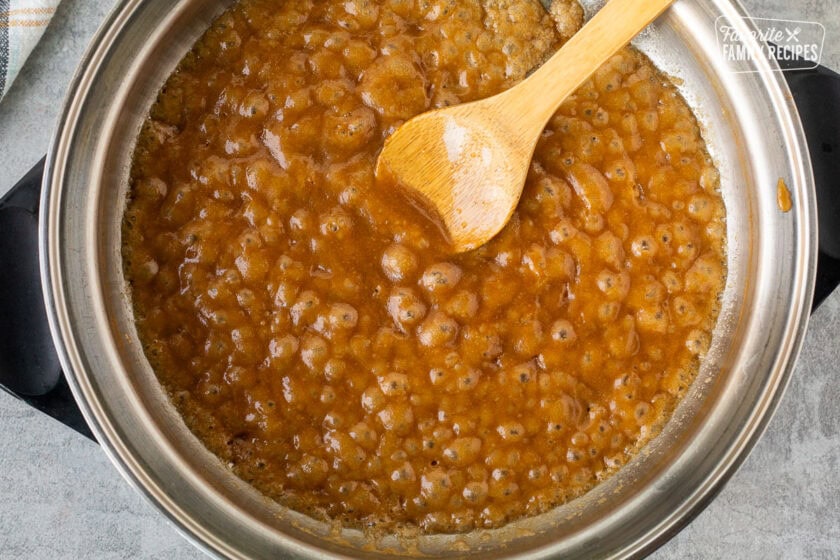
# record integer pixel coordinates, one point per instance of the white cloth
(22, 22)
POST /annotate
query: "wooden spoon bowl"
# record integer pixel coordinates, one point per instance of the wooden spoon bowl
(465, 166)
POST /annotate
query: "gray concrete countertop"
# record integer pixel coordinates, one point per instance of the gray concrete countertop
(61, 498)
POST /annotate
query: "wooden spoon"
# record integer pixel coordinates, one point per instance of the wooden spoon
(465, 166)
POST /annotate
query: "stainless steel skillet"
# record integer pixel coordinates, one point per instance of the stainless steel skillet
(752, 129)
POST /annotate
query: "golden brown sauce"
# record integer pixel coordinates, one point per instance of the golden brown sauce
(783, 196)
(310, 328)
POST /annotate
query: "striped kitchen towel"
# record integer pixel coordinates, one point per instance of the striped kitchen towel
(22, 22)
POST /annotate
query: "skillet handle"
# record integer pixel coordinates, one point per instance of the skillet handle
(29, 366)
(816, 93)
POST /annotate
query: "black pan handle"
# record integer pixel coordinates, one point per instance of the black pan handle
(816, 93)
(29, 366)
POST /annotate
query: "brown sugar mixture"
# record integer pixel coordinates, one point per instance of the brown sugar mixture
(317, 335)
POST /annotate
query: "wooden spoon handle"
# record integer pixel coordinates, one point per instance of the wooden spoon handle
(538, 97)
